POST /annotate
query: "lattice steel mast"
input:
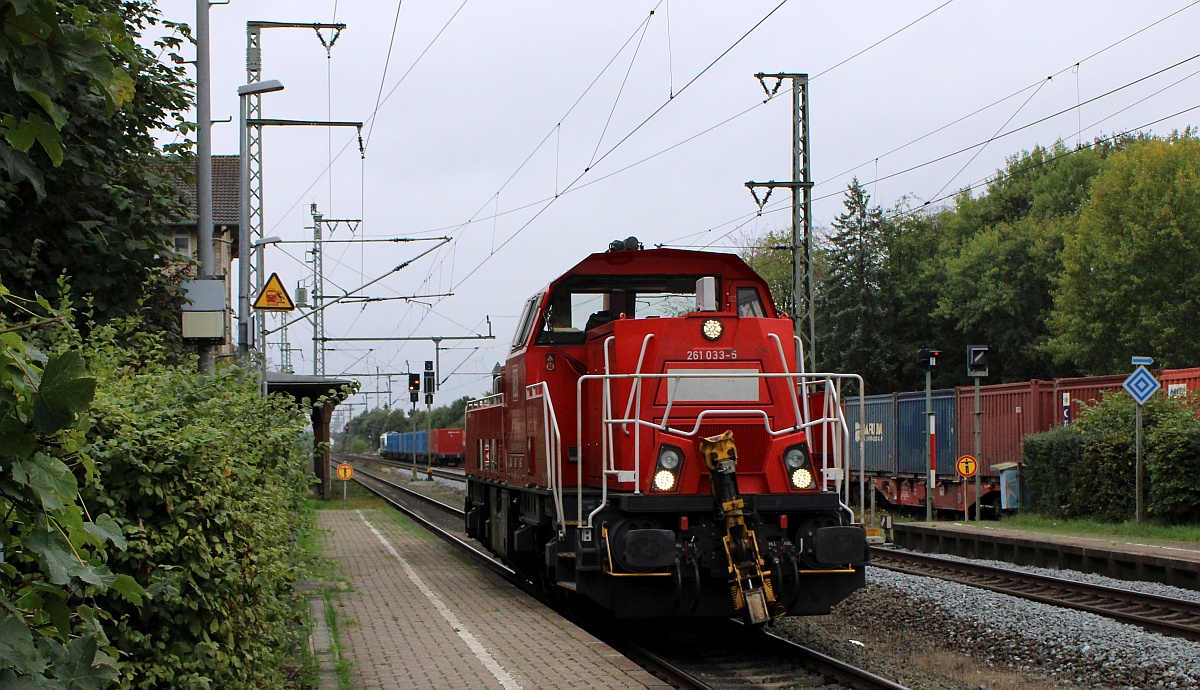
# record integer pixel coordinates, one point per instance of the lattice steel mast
(801, 186)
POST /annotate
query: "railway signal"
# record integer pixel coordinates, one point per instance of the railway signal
(977, 361)
(927, 360)
(977, 368)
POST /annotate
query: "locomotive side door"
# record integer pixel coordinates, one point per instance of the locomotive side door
(514, 467)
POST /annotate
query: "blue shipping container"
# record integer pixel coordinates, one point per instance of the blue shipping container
(391, 442)
(910, 448)
(878, 432)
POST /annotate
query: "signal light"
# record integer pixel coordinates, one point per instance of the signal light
(347, 429)
(414, 382)
(927, 358)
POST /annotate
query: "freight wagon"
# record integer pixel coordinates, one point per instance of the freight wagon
(438, 446)
(893, 430)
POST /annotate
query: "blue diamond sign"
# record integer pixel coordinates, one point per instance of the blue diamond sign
(1141, 384)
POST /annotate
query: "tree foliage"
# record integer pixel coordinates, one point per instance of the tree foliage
(850, 295)
(205, 478)
(1006, 268)
(1130, 283)
(770, 255)
(1088, 469)
(84, 189)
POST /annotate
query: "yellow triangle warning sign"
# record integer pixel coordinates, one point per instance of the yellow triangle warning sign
(274, 297)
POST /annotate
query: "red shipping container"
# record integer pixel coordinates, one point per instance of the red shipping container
(1175, 381)
(446, 443)
(1011, 411)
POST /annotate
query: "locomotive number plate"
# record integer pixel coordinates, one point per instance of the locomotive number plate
(713, 355)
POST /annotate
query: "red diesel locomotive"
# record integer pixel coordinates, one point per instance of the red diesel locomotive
(648, 443)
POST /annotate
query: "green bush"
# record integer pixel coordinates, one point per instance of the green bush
(205, 478)
(1103, 485)
(1052, 460)
(1173, 464)
(54, 547)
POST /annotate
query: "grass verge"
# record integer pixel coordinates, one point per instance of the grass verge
(1147, 531)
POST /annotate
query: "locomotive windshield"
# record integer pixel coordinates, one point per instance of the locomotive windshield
(584, 302)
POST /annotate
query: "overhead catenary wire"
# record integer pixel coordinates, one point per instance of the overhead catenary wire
(575, 188)
(623, 139)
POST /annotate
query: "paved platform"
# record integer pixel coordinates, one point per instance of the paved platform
(417, 615)
(1172, 563)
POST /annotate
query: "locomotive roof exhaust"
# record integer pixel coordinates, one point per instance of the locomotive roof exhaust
(626, 245)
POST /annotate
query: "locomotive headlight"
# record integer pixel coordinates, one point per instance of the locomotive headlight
(668, 458)
(802, 478)
(664, 480)
(712, 329)
(666, 473)
(798, 465)
(794, 458)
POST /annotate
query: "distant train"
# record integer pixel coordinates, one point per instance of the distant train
(652, 447)
(436, 446)
(892, 428)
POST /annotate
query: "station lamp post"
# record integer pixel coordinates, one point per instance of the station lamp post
(244, 92)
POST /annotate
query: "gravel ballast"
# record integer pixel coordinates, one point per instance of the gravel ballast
(903, 622)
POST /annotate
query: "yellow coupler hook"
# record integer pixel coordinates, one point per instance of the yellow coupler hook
(751, 589)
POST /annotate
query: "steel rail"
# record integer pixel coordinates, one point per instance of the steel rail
(847, 673)
(1166, 615)
(729, 653)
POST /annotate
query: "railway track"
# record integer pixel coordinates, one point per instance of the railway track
(1167, 615)
(728, 655)
(706, 655)
(455, 475)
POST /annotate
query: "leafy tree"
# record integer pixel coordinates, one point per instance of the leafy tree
(997, 291)
(770, 256)
(850, 298)
(1131, 274)
(55, 543)
(84, 189)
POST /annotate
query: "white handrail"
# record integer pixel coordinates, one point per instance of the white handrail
(552, 437)
(803, 385)
(831, 415)
(634, 391)
(800, 416)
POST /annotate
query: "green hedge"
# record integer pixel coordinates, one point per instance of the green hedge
(205, 477)
(1052, 460)
(147, 514)
(1088, 469)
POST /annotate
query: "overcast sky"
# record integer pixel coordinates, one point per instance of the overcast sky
(452, 118)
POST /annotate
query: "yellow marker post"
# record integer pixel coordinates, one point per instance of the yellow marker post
(967, 466)
(345, 472)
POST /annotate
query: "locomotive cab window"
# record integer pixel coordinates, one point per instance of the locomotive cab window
(582, 303)
(526, 322)
(749, 303)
